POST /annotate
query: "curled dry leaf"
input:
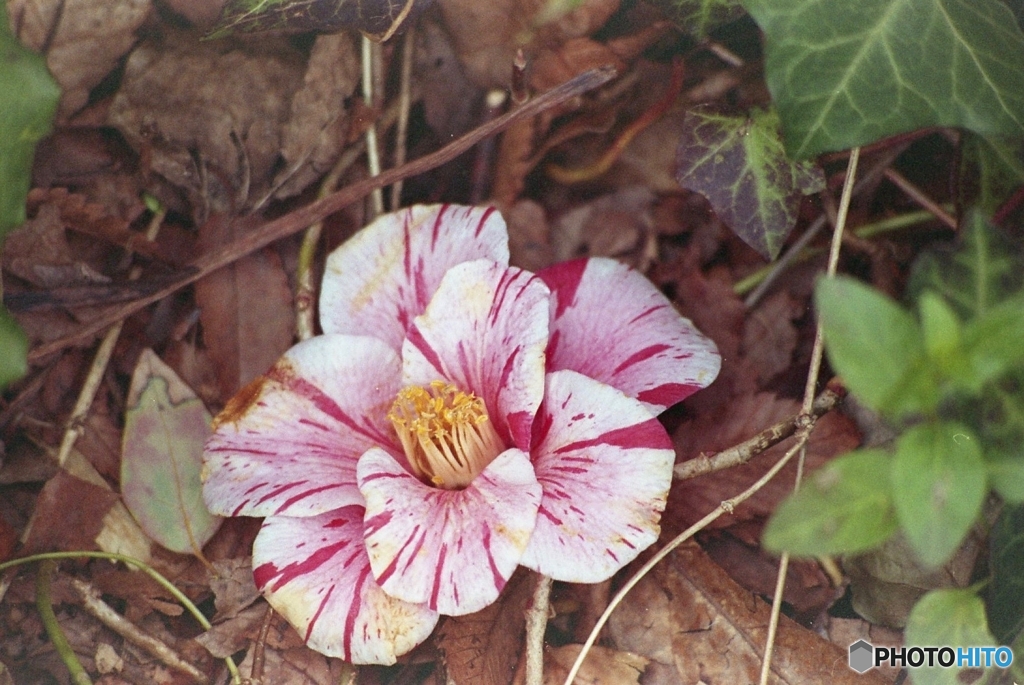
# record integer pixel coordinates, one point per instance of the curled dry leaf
(83, 39)
(165, 428)
(227, 123)
(487, 34)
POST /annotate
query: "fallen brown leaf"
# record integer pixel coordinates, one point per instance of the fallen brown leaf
(483, 648)
(58, 527)
(690, 615)
(84, 40)
(247, 315)
(603, 666)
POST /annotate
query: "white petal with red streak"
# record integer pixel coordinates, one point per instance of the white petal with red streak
(453, 550)
(605, 465)
(610, 323)
(485, 331)
(288, 443)
(314, 571)
(384, 276)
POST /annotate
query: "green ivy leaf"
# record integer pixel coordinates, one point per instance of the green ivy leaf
(165, 428)
(876, 346)
(700, 17)
(738, 163)
(845, 74)
(984, 269)
(378, 19)
(1006, 564)
(939, 484)
(947, 617)
(844, 507)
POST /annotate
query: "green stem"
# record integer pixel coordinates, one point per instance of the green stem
(148, 570)
(60, 641)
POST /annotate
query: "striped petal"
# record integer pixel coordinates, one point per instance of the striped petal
(452, 550)
(384, 276)
(605, 465)
(485, 331)
(314, 571)
(610, 323)
(288, 443)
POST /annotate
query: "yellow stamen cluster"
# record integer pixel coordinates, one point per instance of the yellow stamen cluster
(445, 433)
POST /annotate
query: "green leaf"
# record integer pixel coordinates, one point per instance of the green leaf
(700, 17)
(984, 269)
(13, 364)
(845, 74)
(844, 507)
(165, 428)
(378, 19)
(939, 484)
(738, 163)
(991, 169)
(947, 617)
(992, 341)
(28, 100)
(941, 328)
(876, 346)
(1006, 564)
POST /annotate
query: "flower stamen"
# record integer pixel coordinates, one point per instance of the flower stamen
(446, 433)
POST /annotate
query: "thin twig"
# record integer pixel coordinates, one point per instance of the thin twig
(371, 64)
(106, 615)
(536, 624)
(303, 217)
(86, 396)
(404, 107)
(726, 507)
(259, 654)
(817, 353)
(920, 197)
(746, 450)
(876, 170)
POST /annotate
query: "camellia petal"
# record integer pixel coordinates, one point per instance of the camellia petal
(485, 332)
(288, 443)
(314, 571)
(453, 550)
(384, 276)
(610, 323)
(605, 465)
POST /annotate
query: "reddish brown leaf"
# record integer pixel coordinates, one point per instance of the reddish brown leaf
(55, 526)
(247, 315)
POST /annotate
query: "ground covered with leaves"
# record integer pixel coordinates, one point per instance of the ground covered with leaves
(170, 151)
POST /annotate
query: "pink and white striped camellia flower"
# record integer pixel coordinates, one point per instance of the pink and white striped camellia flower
(458, 418)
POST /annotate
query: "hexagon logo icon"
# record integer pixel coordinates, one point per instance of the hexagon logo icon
(861, 656)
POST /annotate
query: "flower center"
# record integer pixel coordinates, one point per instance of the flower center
(445, 433)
